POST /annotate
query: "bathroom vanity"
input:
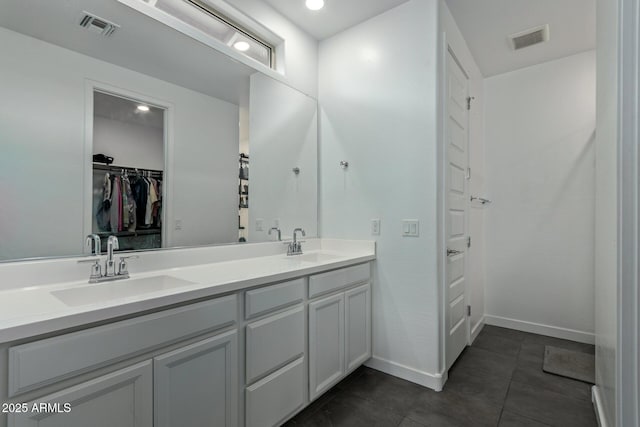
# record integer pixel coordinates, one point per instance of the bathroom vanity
(232, 342)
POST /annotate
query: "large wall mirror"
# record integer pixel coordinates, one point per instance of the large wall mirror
(145, 133)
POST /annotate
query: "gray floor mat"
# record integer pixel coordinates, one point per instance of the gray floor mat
(569, 363)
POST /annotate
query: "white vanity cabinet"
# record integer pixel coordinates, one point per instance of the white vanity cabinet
(191, 385)
(275, 371)
(254, 357)
(339, 326)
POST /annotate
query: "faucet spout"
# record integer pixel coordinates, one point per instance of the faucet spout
(279, 233)
(94, 239)
(110, 264)
(295, 247)
(296, 231)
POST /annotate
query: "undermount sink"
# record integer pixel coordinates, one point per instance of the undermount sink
(314, 257)
(106, 291)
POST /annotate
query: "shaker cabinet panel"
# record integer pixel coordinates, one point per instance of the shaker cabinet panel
(274, 341)
(197, 385)
(269, 298)
(122, 398)
(334, 280)
(326, 343)
(357, 326)
(277, 396)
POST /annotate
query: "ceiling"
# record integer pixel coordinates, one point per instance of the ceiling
(126, 110)
(140, 44)
(485, 25)
(337, 15)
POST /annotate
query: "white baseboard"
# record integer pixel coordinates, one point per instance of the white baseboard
(597, 406)
(538, 328)
(476, 329)
(432, 381)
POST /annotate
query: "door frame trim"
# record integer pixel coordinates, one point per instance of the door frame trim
(628, 266)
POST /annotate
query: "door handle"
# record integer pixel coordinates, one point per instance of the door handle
(453, 252)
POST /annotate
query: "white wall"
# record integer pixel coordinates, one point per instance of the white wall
(606, 216)
(475, 269)
(130, 144)
(283, 134)
(42, 130)
(540, 174)
(378, 98)
(301, 49)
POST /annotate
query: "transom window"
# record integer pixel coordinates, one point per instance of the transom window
(201, 15)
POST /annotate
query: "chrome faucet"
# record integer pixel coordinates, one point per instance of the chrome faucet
(110, 262)
(295, 247)
(279, 233)
(96, 268)
(94, 240)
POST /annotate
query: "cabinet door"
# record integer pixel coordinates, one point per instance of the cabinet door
(196, 385)
(326, 344)
(122, 398)
(358, 326)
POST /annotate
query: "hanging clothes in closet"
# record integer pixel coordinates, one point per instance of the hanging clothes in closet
(130, 203)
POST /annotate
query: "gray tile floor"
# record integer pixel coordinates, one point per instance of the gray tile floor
(496, 382)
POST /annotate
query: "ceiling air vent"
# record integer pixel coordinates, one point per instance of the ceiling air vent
(529, 37)
(98, 25)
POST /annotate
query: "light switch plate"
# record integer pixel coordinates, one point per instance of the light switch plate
(410, 228)
(375, 227)
(259, 224)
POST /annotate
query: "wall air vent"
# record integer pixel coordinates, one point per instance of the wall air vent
(529, 37)
(98, 25)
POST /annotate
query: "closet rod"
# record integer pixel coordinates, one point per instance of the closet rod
(113, 168)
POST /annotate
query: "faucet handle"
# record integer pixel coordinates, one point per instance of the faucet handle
(96, 269)
(122, 266)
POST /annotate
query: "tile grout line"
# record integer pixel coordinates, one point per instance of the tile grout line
(504, 401)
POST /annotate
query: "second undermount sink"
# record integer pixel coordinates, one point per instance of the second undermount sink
(102, 292)
(314, 257)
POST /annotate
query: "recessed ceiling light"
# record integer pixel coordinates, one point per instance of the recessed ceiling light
(314, 4)
(242, 46)
(143, 108)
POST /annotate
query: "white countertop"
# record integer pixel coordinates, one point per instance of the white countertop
(34, 310)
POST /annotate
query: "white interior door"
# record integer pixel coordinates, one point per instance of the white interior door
(456, 319)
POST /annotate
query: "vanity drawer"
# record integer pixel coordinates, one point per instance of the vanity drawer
(333, 280)
(273, 341)
(263, 300)
(274, 398)
(44, 362)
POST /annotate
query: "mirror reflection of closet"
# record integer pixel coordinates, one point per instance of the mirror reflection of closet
(128, 169)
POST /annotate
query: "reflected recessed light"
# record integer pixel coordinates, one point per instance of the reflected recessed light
(242, 46)
(314, 4)
(143, 108)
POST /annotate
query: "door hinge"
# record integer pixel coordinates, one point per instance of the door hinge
(468, 173)
(469, 310)
(468, 241)
(469, 99)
